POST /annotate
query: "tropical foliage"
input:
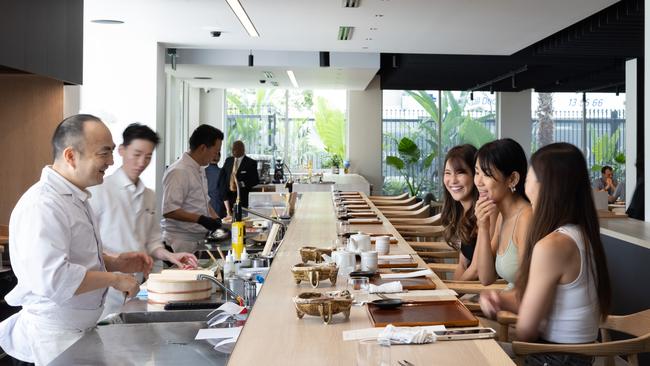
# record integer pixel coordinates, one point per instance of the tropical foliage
(605, 152)
(409, 163)
(330, 127)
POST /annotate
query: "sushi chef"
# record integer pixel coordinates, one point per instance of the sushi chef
(56, 249)
(126, 209)
(187, 214)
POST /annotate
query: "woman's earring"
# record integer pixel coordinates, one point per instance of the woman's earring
(513, 189)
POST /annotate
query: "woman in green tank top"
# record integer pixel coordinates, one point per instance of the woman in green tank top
(500, 172)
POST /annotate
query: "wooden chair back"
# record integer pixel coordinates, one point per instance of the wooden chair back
(432, 220)
(412, 207)
(405, 202)
(421, 213)
(402, 196)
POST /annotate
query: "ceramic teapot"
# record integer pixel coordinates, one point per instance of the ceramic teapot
(359, 243)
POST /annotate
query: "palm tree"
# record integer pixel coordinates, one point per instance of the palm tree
(546, 126)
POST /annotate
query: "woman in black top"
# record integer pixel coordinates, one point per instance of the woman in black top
(458, 217)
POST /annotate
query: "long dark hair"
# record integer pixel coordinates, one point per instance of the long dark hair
(565, 198)
(506, 156)
(458, 223)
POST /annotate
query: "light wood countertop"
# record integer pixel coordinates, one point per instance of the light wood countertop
(273, 335)
(627, 229)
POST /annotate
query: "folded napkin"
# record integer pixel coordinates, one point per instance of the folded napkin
(389, 287)
(404, 335)
(365, 333)
(414, 274)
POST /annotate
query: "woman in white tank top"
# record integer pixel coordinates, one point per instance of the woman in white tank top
(562, 289)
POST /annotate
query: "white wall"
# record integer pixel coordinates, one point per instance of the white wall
(514, 118)
(119, 82)
(365, 133)
(630, 128)
(211, 107)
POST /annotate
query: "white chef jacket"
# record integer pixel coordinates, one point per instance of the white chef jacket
(53, 240)
(126, 213)
(185, 186)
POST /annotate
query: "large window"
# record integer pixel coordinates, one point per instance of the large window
(434, 121)
(595, 125)
(305, 128)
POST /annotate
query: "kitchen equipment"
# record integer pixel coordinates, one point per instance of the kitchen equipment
(314, 254)
(450, 313)
(177, 285)
(260, 262)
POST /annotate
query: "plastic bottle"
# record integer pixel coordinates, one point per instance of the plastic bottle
(245, 260)
(228, 266)
(237, 231)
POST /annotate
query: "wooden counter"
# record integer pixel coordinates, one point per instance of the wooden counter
(628, 230)
(273, 335)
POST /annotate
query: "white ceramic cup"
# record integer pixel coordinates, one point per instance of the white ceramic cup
(382, 245)
(369, 260)
(347, 262)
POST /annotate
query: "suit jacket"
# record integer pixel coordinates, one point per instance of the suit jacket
(246, 176)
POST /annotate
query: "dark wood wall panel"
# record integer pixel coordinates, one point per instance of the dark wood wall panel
(30, 108)
(43, 37)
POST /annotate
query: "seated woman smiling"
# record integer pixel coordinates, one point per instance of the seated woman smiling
(562, 290)
(457, 214)
(500, 172)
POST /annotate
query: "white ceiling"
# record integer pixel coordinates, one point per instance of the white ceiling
(486, 27)
(495, 27)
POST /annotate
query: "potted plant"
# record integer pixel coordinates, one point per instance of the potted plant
(409, 162)
(336, 163)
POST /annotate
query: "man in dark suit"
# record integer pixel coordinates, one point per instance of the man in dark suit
(245, 175)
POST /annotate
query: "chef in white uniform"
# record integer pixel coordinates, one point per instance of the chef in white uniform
(187, 213)
(56, 250)
(126, 209)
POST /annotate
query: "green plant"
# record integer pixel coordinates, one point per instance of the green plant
(330, 127)
(409, 163)
(393, 186)
(605, 152)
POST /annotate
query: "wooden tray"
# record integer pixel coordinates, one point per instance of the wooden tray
(450, 313)
(397, 263)
(417, 283)
(365, 221)
(362, 214)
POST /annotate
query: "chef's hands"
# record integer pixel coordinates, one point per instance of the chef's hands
(183, 260)
(126, 283)
(209, 223)
(132, 262)
(485, 210)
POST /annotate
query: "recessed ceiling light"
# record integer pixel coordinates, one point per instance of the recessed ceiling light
(292, 77)
(243, 17)
(364, 47)
(107, 21)
(379, 15)
(368, 39)
(373, 29)
(202, 78)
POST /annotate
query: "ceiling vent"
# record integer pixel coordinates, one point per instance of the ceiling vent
(345, 33)
(351, 3)
(268, 74)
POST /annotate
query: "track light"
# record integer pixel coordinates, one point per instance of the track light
(514, 85)
(250, 59)
(491, 89)
(471, 95)
(395, 62)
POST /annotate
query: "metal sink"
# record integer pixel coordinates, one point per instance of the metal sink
(168, 316)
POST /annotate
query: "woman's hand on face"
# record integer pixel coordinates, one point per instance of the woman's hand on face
(484, 209)
(490, 303)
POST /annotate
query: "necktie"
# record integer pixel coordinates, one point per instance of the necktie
(233, 175)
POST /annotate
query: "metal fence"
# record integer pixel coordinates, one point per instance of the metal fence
(567, 128)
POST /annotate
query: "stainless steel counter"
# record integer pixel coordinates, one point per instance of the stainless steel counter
(170, 343)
